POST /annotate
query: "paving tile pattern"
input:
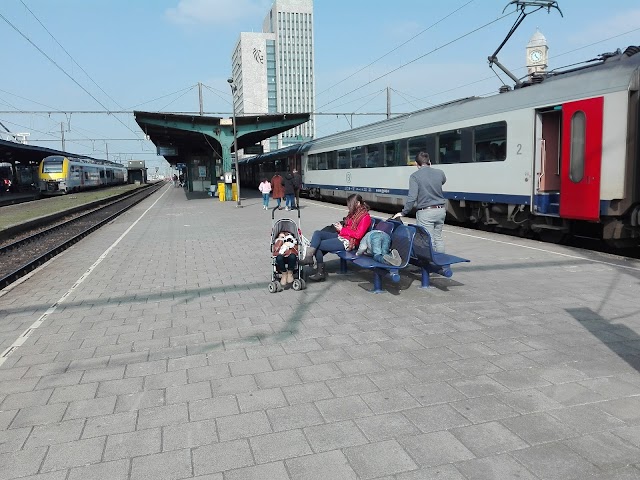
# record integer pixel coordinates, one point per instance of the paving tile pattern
(171, 360)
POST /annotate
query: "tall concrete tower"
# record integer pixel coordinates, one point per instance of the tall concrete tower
(274, 70)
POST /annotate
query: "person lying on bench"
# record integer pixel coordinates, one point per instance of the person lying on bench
(377, 243)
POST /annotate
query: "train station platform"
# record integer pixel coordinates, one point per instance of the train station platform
(152, 349)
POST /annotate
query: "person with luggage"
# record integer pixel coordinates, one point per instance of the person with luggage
(425, 192)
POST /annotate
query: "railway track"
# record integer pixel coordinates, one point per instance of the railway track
(43, 243)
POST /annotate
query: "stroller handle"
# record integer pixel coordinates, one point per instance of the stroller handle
(273, 213)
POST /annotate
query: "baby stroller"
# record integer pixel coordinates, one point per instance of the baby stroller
(287, 225)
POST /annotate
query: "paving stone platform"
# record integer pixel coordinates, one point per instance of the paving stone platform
(152, 349)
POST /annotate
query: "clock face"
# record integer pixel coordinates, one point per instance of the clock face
(535, 56)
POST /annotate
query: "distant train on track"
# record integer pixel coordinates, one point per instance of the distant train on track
(558, 156)
(59, 174)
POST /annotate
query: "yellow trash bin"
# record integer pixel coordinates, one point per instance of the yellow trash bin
(221, 191)
(234, 191)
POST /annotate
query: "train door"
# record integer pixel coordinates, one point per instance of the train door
(581, 158)
(547, 154)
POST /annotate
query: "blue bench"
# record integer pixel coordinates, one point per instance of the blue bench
(413, 243)
(424, 256)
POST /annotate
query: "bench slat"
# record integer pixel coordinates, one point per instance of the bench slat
(442, 259)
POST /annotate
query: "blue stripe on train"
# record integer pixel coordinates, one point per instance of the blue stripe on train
(478, 197)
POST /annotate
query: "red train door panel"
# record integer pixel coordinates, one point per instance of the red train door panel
(581, 159)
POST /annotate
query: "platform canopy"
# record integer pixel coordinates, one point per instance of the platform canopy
(178, 137)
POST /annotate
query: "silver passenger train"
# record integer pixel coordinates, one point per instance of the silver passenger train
(558, 156)
(59, 174)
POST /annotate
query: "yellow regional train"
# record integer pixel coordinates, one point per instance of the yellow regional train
(59, 174)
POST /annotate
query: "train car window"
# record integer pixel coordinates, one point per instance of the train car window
(490, 142)
(332, 160)
(373, 156)
(344, 158)
(424, 143)
(322, 161)
(416, 145)
(576, 154)
(392, 154)
(466, 151)
(357, 157)
(312, 162)
(450, 146)
(430, 148)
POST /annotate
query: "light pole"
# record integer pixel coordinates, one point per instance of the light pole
(235, 138)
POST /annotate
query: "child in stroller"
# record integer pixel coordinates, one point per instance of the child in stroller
(285, 248)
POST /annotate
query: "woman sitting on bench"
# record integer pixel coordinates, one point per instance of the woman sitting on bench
(347, 236)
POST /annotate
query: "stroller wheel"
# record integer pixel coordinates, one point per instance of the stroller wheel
(297, 284)
(303, 284)
(273, 287)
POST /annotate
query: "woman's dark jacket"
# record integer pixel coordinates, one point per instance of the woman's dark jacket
(287, 182)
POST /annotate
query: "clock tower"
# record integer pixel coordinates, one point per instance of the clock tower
(537, 54)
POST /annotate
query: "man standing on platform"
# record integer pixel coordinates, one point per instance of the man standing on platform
(425, 191)
(297, 185)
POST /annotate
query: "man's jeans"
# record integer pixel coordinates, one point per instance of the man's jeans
(289, 199)
(433, 220)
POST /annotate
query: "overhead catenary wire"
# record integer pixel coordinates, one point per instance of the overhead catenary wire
(175, 99)
(420, 57)
(21, 111)
(130, 109)
(398, 47)
(524, 67)
(63, 70)
(69, 55)
(77, 142)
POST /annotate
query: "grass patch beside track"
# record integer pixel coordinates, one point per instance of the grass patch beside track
(12, 215)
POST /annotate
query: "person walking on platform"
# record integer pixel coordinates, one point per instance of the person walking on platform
(265, 189)
(346, 237)
(289, 190)
(297, 185)
(277, 189)
(175, 180)
(425, 193)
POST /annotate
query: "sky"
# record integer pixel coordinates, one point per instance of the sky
(107, 56)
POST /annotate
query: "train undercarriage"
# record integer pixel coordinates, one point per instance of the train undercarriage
(617, 232)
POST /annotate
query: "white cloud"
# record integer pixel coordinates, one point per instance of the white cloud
(215, 12)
